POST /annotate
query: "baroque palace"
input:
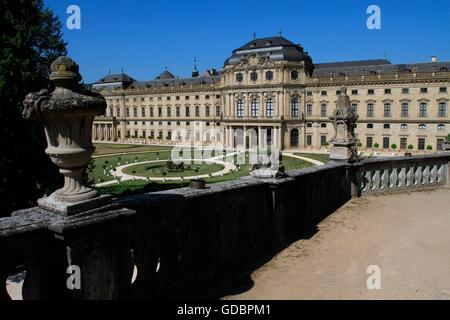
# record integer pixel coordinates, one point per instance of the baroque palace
(271, 92)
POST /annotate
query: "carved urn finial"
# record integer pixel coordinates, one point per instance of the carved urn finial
(67, 114)
(344, 120)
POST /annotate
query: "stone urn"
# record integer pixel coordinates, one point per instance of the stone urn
(67, 114)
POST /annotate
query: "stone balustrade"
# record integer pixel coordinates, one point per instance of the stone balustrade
(186, 239)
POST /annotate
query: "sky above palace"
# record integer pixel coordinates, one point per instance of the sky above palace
(143, 37)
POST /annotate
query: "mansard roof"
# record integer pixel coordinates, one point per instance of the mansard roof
(116, 77)
(379, 66)
(165, 75)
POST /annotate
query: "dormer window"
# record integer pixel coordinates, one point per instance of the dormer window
(254, 76)
(268, 43)
(269, 75)
(294, 75)
(239, 77)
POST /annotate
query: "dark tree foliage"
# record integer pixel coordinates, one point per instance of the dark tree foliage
(30, 39)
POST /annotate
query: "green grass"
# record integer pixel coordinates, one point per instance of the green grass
(325, 158)
(159, 170)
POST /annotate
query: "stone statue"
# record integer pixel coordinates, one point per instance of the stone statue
(344, 121)
(67, 114)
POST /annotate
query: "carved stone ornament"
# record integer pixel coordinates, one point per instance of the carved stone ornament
(344, 121)
(67, 114)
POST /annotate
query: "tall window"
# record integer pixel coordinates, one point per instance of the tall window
(369, 142)
(159, 112)
(255, 108)
(405, 110)
(294, 107)
(188, 112)
(385, 142)
(387, 110)
(240, 109)
(355, 108)
(309, 110)
(440, 144)
(370, 110)
(218, 113)
(143, 112)
(207, 112)
(421, 144)
(442, 110)
(423, 110)
(169, 112)
(135, 114)
(177, 111)
(323, 110)
(403, 143)
(197, 111)
(269, 108)
(118, 112)
(151, 111)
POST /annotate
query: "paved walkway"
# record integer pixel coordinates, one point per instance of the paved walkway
(406, 235)
(315, 162)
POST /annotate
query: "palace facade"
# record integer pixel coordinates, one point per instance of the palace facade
(270, 92)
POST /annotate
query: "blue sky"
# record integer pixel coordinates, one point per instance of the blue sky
(143, 37)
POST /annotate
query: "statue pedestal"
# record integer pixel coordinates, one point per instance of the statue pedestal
(343, 153)
(53, 205)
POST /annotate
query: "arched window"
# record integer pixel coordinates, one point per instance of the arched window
(323, 110)
(197, 111)
(240, 109)
(294, 75)
(169, 112)
(309, 110)
(239, 77)
(269, 75)
(370, 126)
(323, 125)
(159, 112)
(404, 126)
(386, 126)
(422, 126)
(441, 127)
(255, 108)
(309, 125)
(294, 107)
(254, 76)
(269, 108)
(151, 112)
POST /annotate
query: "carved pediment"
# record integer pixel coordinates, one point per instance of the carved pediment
(254, 61)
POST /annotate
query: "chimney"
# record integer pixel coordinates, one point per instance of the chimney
(433, 59)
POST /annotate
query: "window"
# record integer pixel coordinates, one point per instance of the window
(269, 75)
(370, 126)
(354, 92)
(118, 112)
(218, 113)
(422, 126)
(386, 142)
(294, 75)
(207, 111)
(255, 108)
(405, 90)
(309, 140)
(386, 126)
(405, 110)
(269, 108)
(369, 142)
(423, 110)
(186, 97)
(207, 97)
(309, 110)
(169, 112)
(443, 89)
(240, 109)
(254, 76)
(441, 127)
(323, 141)
(197, 111)
(370, 91)
(440, 144)
(294, 107)
(404, 126)
(309, 93)
(128, 112)
(442, 110)
(135, 112)
(370, 111)
(387, 110)
(239, 77)
(323, 125)
(403, 143)
(387, 91)
(188, 112)
(338, 92)
(323, 110)
(355, 108)
(177, 98)
(423, 90)
(177, 111)
(421, 144)
(323, 93)
(151, 112)
(309, 125)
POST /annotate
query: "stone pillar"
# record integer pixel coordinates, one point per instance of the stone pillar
(344, 121)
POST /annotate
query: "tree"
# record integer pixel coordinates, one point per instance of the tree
(410, 147)
(394, 146)
(30, 40)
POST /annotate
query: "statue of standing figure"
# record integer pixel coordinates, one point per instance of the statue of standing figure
(344, 120)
